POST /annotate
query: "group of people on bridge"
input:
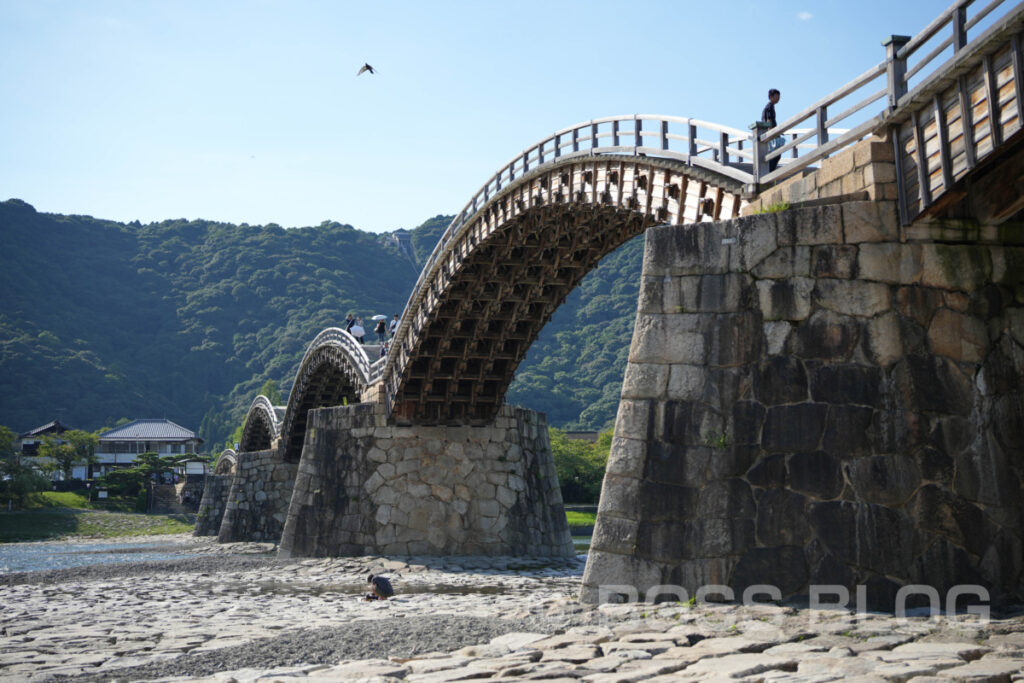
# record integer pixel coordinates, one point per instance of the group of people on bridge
(384, 330)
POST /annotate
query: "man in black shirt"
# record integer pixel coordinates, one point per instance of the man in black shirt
(768, 116)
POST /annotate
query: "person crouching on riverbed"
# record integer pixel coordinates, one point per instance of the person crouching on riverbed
(380, 587)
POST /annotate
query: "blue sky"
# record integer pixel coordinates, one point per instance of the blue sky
(252, 111)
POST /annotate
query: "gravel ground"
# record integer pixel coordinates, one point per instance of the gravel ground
(398, 637)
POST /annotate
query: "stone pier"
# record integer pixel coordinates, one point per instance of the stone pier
(216, 488)
(813, 399)
(258, 498)
(366, 487)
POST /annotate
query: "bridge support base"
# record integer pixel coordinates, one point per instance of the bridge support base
(258, 498)
(810, 401)
(366, 487)
(211, 506)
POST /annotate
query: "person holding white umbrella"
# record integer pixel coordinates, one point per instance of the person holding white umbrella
(358, 331)
(381, 328)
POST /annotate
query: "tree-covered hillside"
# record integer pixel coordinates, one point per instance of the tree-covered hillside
(188, 319)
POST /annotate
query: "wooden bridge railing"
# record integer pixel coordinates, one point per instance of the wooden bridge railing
(353, 349)
(811, 135)
(889, 81)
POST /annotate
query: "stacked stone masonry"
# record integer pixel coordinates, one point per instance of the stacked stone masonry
(216, 488)
(867, 171)
(366, 487)
(258, 499)
(810, 400)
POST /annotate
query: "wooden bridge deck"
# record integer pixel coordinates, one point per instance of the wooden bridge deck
(964, 119)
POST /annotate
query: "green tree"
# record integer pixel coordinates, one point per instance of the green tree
(19, 480)
(84, 444)
(57, 456)
(580, 465)
(273, 394)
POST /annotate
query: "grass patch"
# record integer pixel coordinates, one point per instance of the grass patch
(580, 518)
(47, 524)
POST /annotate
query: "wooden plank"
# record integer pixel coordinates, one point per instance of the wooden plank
(1018, 74)
(991, 96)
(922, 163)
(945, 165)
(964, 99)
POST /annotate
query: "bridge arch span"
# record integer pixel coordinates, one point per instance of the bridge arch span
(335, 370)
(227, 462)
(496, 280)
(262, 425)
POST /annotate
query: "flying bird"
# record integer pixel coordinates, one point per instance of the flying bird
(365, 67)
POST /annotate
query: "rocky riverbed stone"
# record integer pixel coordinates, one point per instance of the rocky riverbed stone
(236, 613)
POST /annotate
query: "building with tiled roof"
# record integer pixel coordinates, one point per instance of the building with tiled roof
(118, 447)
(28, 442)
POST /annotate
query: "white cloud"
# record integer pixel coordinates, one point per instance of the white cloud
(804, 16)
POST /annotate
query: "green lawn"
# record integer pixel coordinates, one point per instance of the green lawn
(580, 518)
(53, 515)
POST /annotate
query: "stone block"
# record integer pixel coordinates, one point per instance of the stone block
(784, 262)
(607, 570)
(932, 385)
(794, 428)
(870, 222)
(835, 167)
(892, 263)
(815, 474)
(956, 266)
(847, 384)
(785, 299)
(834, 260)
(952, 517)
(781, 518)
(853, 297)
(960, 337)
(776, 334)
(784, 567)
(780, 379)
(735, 339)
(614, 534)
(848, 432)
(626, 457)
(634, 419)
(645, 380)
(652, 295)
(668, 339)
(723, 293)
(883, 479)
(685, 382)
(873, 537)
(681, 250)
(745, 426)
(757, 242)
(820, 225)
(728, 499)
(883, 339)
(768, 472)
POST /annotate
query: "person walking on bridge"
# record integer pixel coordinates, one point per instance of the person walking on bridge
(768, 116)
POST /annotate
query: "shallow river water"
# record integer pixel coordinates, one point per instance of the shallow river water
(30, 557)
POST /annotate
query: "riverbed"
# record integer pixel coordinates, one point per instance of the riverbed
(237, 612)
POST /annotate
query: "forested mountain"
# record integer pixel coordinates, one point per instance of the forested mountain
(187, 319)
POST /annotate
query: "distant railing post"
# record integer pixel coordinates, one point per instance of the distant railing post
(959, 28)
(760, 148)
(896, 68)
(638, 131)
(822, 121)
(723, 147)
(692, 133)
(664, 134)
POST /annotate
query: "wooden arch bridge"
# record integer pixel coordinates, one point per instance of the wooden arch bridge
(947, 100)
